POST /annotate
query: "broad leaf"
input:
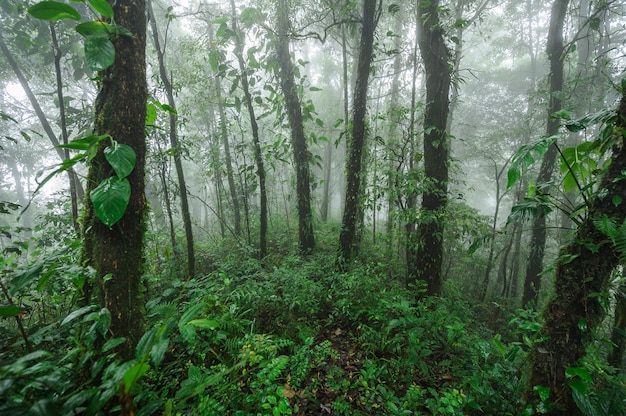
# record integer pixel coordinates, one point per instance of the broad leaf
(82, 143)
(53, 10)
(10, 310)
(94, 28)
(99, 52)
(110, 199)
(205, 323)
(78, 313)
(122, 158)
(103, 7)
(23, 279)
(526, 156)
(133, 374)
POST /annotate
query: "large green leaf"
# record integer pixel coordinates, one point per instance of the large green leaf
(94, 28)
(99, 52)
(122, 158)
(53, 10)
(10, 310)
(133, 374)
(110, 199)
(103, 7)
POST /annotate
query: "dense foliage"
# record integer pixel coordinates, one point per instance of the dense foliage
(389, 208)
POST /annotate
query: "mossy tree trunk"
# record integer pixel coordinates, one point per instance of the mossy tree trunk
(582, 272)
(426, 264)
(117, 253)
(298, 139)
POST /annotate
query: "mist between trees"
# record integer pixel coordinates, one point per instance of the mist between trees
(290, 207)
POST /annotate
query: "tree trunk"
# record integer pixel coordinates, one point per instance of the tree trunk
(357, 136)
(328, 165)
(116, 253)
(582, 272)
(73, 178)
(40, 114)
(224, 134)
(554, 49)
(436, 58)
(174, 142)
(258, 155)
(298, 139)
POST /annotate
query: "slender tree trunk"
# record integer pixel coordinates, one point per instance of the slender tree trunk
(494, 231)
(175, 143)
(358, 135)
(328, 165)
(298, 139)
(40, 114)
(395, 119)
(73, 178)
(116, 253)
(532, 282)
(502, 268)
(582, 271)
(436, 58)
(412, 193)
(224, 134)
(258, 155)
(163, 174)
(345, 86)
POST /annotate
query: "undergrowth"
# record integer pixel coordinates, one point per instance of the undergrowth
(284, 336)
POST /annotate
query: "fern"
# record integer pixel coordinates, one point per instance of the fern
(616, 232)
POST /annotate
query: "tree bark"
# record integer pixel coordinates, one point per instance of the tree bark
(436, 58)
(357, 136)
(582, 271)
(298, 139)
(554, 49)
(116, 253)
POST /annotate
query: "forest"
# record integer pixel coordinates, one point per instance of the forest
(312, 207)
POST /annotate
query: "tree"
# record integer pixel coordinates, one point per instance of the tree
(426, 264)
(175, 143)
(582, 272)
(298, 139)
(554, 49)
(116, 252)
(357, 135)
(45, 124)
(258, 155)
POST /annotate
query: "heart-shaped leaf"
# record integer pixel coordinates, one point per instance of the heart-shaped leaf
(110, 199)
(99, 52)
(53, 10)
(122, 158)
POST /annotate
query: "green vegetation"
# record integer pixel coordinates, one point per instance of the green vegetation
(286, 336)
